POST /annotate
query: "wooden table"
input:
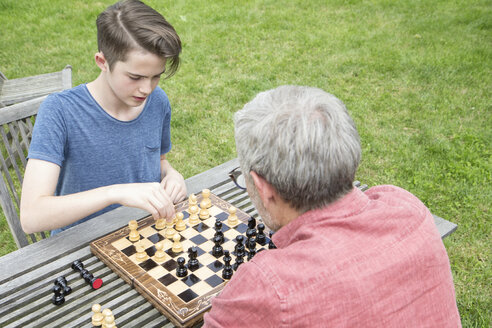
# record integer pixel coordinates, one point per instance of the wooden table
(27, 275)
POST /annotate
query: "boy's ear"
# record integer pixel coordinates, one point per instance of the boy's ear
(101, 61)
(266, 191)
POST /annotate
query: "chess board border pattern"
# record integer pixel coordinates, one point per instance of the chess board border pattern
(175, 297)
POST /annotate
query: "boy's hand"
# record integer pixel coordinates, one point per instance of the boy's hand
(174, 185)
(147, 196)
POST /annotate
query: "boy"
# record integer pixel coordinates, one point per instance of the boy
(103, 144)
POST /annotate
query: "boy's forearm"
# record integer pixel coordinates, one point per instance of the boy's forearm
(53, 212)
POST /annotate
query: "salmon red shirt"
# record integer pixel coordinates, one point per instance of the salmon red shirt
(370, 259)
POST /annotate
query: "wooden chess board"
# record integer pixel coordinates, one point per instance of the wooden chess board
(181, 300)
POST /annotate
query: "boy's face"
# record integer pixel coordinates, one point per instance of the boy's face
(133, 80)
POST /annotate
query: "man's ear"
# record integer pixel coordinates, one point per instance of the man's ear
(265, 190)
(101, 61)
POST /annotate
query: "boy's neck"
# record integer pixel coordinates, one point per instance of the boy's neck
(105, 97)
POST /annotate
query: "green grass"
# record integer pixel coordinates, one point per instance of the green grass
(415, 75)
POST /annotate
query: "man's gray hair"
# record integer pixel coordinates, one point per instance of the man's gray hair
(302, 141)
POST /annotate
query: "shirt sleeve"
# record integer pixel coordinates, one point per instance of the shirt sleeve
(248, 300)
(49, 134)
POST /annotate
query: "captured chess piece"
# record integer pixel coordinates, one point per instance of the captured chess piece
(62, 282)
(232, 220)
(181, 270)
(206, 202)
(192, 258)
(180, 224)
(160, 255)
(141, 253)
(108, 321)
(58, 298)
(134, 235)
(97, 317)
(194, 219)
(177, 247)
(95, 283)
(227, 271)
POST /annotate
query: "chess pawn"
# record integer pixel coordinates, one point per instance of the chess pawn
(134, 235)
(192, 261)
(232, 220)
(181, 270)
(204, 214)
(177, 247)
(97, 317)
(192, 201)
(160, 224)
(141, 254)
(260, 236)
(227, 271)
(194, 219)
(159, 255)
(62, 282)
(170, 230)
(109, 322)
(206, 202)
(58, 298)
(108, 319)
(271, 245)
(180, 224)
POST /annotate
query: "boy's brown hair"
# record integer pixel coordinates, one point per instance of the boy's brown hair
(130, 24)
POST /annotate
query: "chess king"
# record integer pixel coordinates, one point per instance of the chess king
(344, 257)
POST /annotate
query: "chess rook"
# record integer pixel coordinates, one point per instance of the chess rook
(94, 282)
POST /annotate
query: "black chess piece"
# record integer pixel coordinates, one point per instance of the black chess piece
(251, 248)
(239, 247)
(217, 250)
(251, 223)
(192, 261)
(58, 298)
(227, 271)
(62, 282)
(260, 236)
(271, 245)
(251, 231)
(95, 283)
(239, 261)
(181, 270)
(218, 230)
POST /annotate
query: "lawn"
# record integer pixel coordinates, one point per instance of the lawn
(415, 75)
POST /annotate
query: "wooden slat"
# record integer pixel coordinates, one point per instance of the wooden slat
(26, 88)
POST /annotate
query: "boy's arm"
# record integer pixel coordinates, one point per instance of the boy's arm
(40, 210)
(172, 181)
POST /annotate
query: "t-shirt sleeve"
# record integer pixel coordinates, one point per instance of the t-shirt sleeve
(166, 126)
(248, 300)
(49, 133)
(166, 131)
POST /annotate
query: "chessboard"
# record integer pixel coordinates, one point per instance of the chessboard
(154, 264)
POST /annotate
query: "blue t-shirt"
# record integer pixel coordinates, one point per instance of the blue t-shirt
(93, 149)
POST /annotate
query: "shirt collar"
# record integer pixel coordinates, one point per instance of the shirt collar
(350, 204)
